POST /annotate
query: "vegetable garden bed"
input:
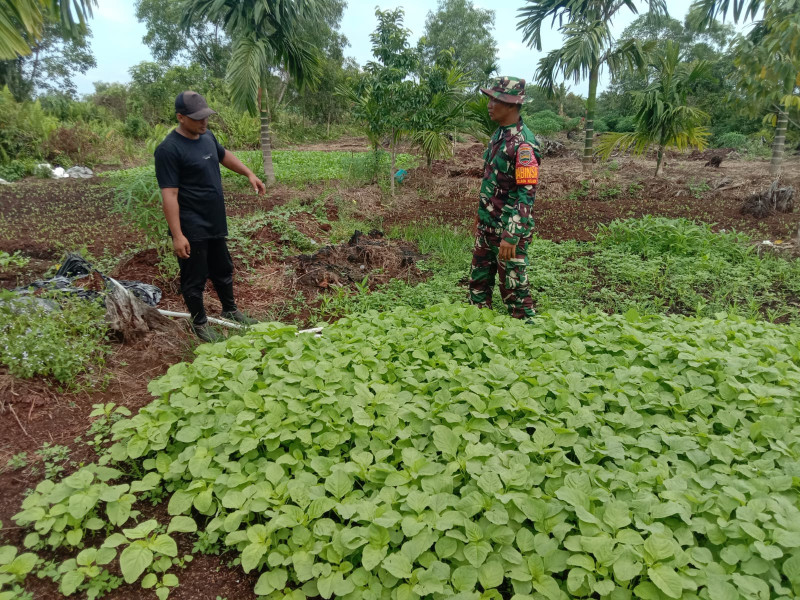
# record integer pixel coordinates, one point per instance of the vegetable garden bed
(453, 452)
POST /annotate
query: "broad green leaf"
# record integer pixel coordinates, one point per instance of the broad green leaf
(134, 560)
(445, 441)
(667, 580)
(182, 524)
(70, 582)
(339, 484)
(398, 565)
(491, 574)
(464, 578)
(165, 545)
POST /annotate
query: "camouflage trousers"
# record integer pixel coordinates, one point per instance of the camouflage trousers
(514, 289)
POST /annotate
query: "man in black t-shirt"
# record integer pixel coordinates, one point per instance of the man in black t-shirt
(187, 169)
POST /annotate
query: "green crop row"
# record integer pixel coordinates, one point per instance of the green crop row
(453, 452)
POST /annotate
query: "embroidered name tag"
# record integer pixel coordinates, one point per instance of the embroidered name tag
(527, 168)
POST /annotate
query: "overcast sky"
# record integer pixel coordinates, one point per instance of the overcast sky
(117, 36)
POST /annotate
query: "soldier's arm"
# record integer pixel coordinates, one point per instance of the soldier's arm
(516, 218)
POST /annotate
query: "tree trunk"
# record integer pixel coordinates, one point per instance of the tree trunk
(591, 102)
(660, 157)
(284, 85)
(660, 161)
(778, 143)
(266, 144)
(394, 157)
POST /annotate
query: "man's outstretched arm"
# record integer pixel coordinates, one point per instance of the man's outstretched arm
(230, 161)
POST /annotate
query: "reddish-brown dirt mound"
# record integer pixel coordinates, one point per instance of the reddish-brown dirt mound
(364, 256)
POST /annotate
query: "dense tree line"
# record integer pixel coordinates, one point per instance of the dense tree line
(283, 72)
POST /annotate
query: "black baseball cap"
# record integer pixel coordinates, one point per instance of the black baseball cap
(193, 105)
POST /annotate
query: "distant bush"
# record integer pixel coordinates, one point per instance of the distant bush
(732, 139)
(600, 126)
(544, 122)
(625, 125)
(24, 125)
(573, 124)
(136, 127)
(17, 169)
(73, 144)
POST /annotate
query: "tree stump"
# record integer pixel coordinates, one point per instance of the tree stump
(775, 199)
(551, 148)
(130, 317)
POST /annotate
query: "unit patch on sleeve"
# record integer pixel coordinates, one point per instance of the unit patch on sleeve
(527, 169)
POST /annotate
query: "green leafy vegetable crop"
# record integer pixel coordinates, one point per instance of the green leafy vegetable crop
(453, 452)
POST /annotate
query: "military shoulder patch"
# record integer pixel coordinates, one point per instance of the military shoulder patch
(527, 168)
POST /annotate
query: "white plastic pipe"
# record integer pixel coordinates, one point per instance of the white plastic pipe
(171, 313)
(224, 322)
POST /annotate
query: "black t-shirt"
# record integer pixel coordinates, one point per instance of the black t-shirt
(192, 166)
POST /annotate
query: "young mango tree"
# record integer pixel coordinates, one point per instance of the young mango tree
(265, 35)
(663, 116)
(385, 97)
(768, 59)
(588, 46)
(22, 22)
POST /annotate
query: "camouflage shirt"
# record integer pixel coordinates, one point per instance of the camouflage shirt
(510, 175)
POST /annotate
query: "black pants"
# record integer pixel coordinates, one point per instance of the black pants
(207, 259)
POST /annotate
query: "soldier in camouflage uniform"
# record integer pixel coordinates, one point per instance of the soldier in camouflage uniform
(504, 221)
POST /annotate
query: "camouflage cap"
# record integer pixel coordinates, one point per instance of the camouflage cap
(510, 90)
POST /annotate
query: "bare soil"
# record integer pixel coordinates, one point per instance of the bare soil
(44, 219)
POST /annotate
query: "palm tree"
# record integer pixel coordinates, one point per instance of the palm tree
(265, 35)
(663, 117)
(587, 47)
(768, 58)
(441, 113)
(559, 94)
(22, 22)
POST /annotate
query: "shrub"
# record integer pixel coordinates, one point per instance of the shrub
(61, 343)
(235, 129)
(655, 236)
(600, 126)
(25, 128)
(136, 127)
(732, 139)
(73, 144)
(17, 169)
(545, 122)
(625, 125)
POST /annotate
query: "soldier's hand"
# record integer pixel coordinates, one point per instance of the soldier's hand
(182, 246)
(507, 251)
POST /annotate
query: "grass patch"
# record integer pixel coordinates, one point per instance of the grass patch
(299, 167)
(652, 265)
